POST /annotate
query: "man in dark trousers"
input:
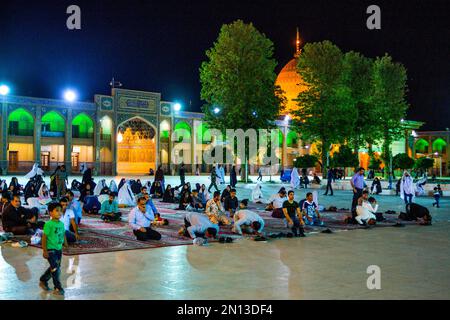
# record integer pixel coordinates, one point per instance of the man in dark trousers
(358, 185)
(19, 220)
(182, 174)
(330, 178)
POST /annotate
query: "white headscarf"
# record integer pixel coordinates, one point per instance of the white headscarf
(126, 195)
(34, 171)
(295, 179)
(99, 187)
(113, 186)
(406, 185)
(257, 195)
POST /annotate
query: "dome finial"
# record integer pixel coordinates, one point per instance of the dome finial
(297, 45)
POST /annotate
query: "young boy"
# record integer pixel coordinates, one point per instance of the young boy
(437, 196)
(311, 211)
(53, 239)
(293, 215)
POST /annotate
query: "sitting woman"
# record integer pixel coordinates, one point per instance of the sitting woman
(85, 192)
(257, 196)
(316, 179)
(225, 193)
(185, 201)
(376, 186)
(169, 196)
(156, 190)
(14, 186)
(203, 194)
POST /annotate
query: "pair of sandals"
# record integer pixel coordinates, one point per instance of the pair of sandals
(225, 240)
(19, 244)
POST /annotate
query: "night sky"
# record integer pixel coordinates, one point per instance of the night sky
(159, 45)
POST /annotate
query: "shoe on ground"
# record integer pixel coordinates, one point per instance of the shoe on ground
(58, 292)
(228, 240)
(327, 231)
(44, 286)
(398, 225)
(290, 235)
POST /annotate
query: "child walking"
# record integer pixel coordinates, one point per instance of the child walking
(53, 239)
(437, 196)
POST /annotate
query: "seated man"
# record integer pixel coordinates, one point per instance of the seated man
(231, 203)
(19, 220)
(311, 211)
(248, 220)
(68, 218)
(110, 209)
(196, 202)
(4, 201)
(197, 225)
(291, 211)
(366, 209)
(140, 220)
(215, 211)
(75, 206)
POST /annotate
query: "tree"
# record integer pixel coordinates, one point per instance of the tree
(239, 79)
(325, 112)
(345, 158)
(402, 161)
(356, 69)
(306, 161)
(388, 99)
(375, 163)
(423, 164)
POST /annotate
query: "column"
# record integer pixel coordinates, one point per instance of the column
(68, 142)
(113, 147)
(97, 144)
(193, 144)
(4, 138)
(37, 135)
(284, 154)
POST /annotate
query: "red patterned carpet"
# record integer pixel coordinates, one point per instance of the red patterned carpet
(98, 236)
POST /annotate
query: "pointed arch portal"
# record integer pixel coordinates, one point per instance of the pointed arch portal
(136, 147)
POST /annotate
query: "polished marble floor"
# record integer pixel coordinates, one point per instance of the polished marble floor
(414, 262)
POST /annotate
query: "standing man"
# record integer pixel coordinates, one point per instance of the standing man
(260, 177)
(213, 180)
(330, 178)
(182, 173)
(358, 186)
(61, 179)
(233, 177)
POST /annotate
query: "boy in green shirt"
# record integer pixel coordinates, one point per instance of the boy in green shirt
(53, 239)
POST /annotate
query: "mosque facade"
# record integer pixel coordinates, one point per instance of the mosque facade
(130, 132)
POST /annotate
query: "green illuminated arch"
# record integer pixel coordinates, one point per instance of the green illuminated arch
(183, 130)
(292, 139)
(53, 122)
(203, 134)
(82, 126)
(106, 125)
(422, 146)
(21, 123)
(439, 145)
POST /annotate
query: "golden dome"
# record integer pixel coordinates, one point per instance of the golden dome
(290, 81)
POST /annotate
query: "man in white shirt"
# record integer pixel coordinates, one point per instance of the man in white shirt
(248, 220)
(366, 209)
(140, 220)
(68, 218)
(197, 225)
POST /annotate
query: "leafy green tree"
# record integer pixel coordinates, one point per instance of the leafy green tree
(402, 161)
(239, 79)
(356, 71)
(388, 98)
(306, 161)
(375, 163)
(424, 164)
(345, 158)
(325, 112)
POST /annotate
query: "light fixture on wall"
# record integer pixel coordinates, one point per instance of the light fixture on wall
(119, 137)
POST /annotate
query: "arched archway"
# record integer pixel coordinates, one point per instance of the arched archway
(106, 128)
(82, 127)
(20, 123)
(421, 146)
(136, 147)
(439, 145)
(53, 125)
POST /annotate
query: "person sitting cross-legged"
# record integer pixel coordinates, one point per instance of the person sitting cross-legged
(196, 202)
(291, 211)
(311, 211)
(197, 225)
(231, 203)
(247, 221)
(215, 211)
(140, 220)
(19, 220)
(68, 218)
(110, 209)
